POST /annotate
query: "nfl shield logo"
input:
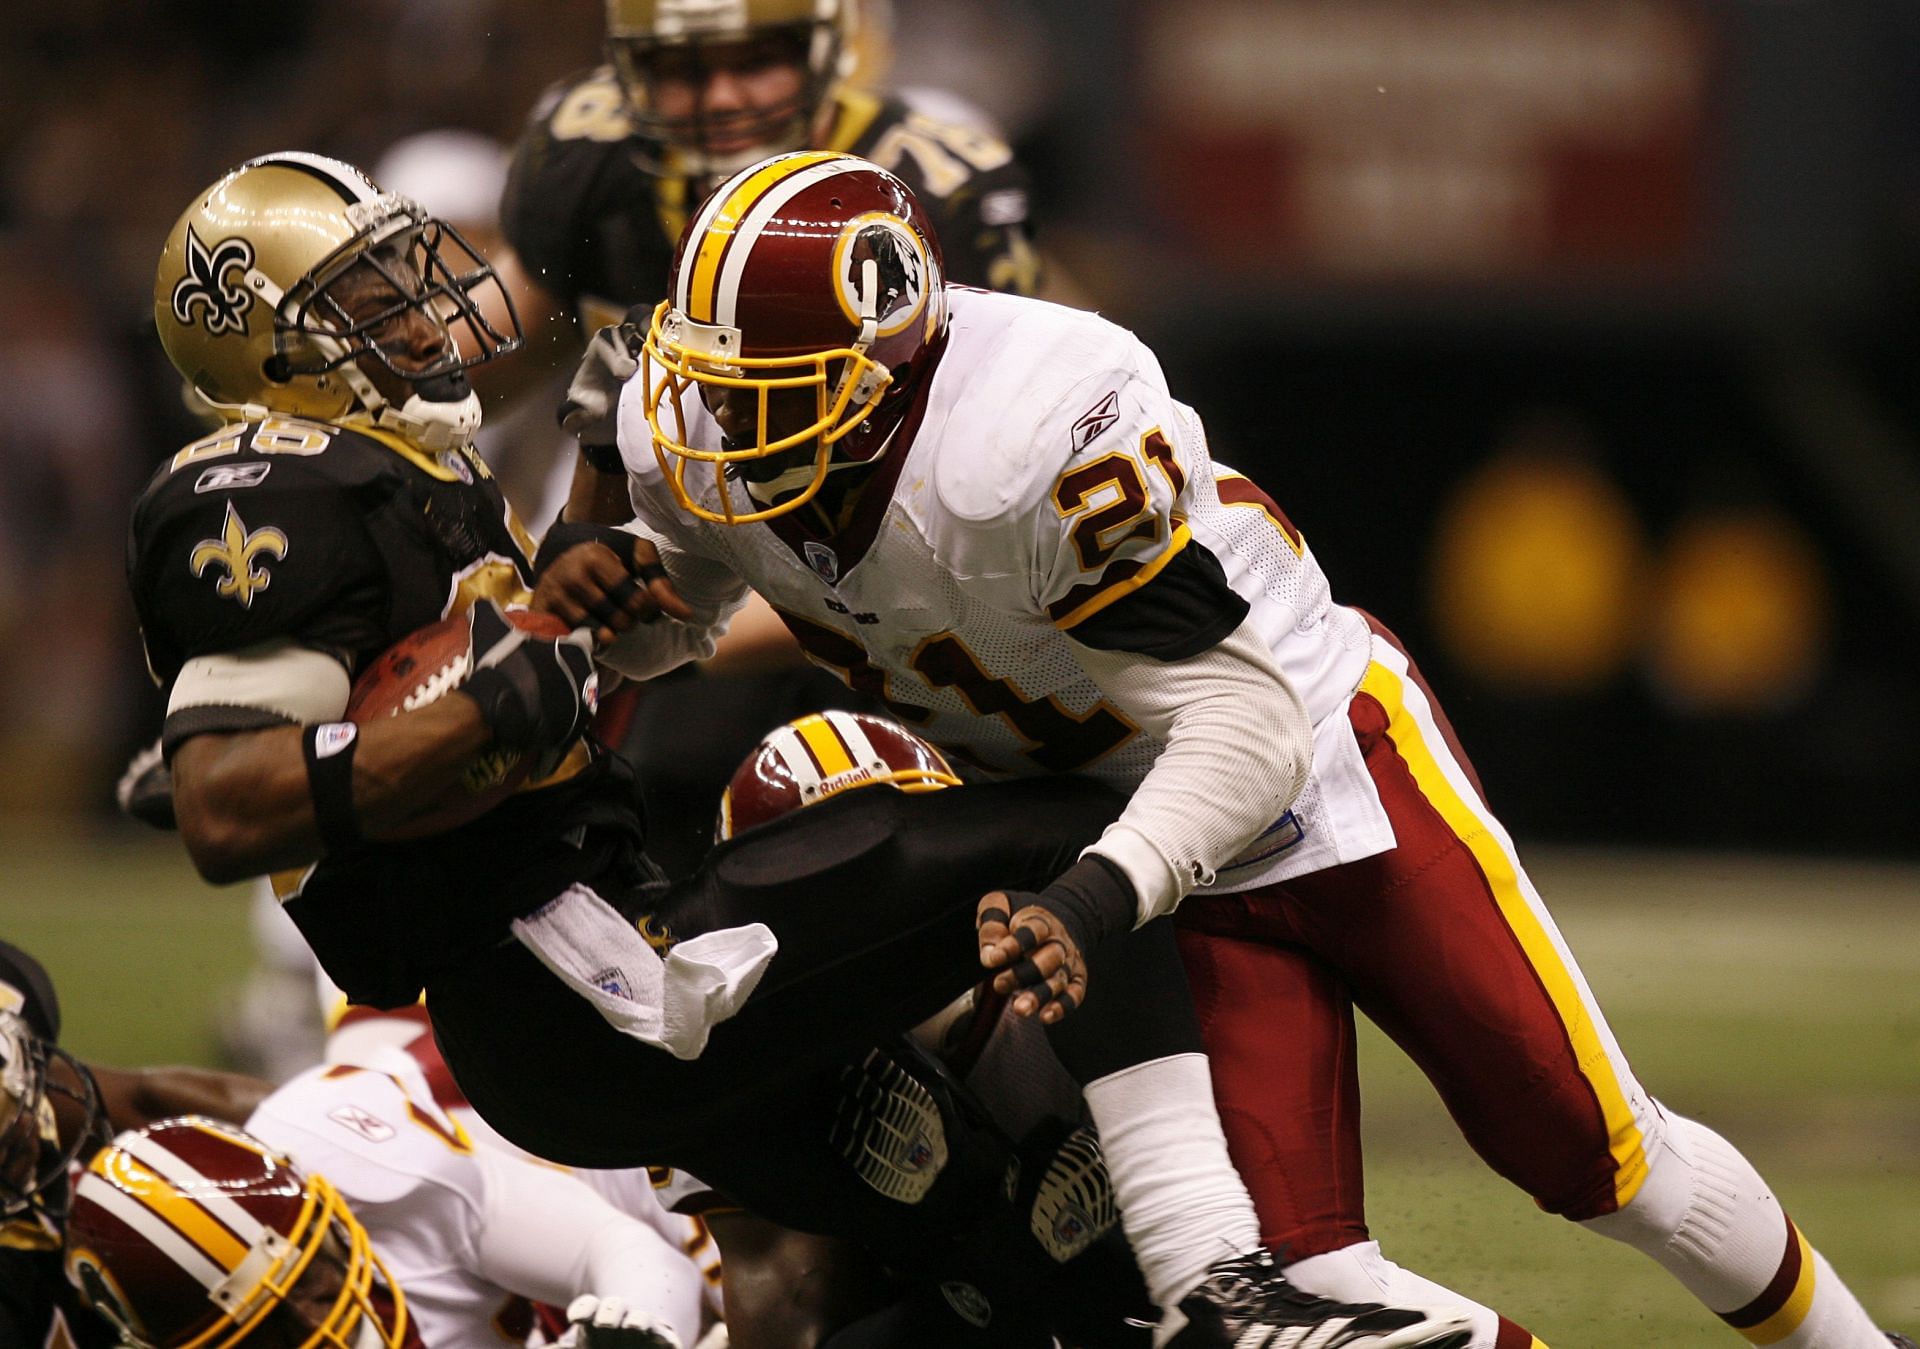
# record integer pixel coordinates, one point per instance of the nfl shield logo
(821, 559)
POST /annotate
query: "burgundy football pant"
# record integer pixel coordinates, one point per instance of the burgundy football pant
(1442, 942)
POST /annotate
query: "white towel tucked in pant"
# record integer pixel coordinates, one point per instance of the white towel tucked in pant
(672, 1004)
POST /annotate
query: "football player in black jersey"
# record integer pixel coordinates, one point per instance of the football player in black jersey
(594, 1016)
(609, 165)
(612, 160)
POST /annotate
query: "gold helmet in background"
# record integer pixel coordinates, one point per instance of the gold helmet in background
(244, 304)
(657, 44)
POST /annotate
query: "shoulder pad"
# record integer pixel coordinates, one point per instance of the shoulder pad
(576, 133)
(1022, 376)
(241, 540)
(367, 1130)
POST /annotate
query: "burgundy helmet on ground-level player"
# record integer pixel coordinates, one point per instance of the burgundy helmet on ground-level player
(814, 282)
(814, 757)
(191, 1234)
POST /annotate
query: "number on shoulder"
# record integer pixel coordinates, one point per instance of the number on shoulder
(593, 110)
(946, 153)
(274, 435)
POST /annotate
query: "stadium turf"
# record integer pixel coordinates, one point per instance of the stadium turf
(1777, 1001)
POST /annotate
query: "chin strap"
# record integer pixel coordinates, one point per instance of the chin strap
(431, 424)
(870, 375)
(434, 425)
(768, 493)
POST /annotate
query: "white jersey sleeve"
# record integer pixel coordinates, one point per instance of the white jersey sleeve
(712, 591)
(465, 1228)
(547, 1236)
(711, 588)
(1115, 514)
(1092, 502)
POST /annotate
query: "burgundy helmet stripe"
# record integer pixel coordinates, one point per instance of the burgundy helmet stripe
(733, 264)
(710, 210)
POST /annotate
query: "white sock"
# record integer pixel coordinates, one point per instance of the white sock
(1360, 1273)
(1706, 1216)
(1182, 1205)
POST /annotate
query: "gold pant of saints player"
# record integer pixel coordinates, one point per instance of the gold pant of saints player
(1445, 944)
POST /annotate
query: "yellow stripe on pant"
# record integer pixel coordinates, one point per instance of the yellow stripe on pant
(1419, 742)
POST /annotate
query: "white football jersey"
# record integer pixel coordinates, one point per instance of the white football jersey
(1049, 475)
(419, 1182)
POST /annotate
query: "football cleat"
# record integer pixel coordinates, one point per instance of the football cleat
(1899, 1341)
(889, 1129)
(1247, 1303)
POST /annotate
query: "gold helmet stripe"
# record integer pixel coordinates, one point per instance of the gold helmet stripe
(132, 1194)
(196, 1190)
(723, 216)
(825, 741)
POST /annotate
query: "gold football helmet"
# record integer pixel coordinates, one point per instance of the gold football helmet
(248, 301)
(655, 42)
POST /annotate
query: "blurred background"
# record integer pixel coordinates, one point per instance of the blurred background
(1579, 337)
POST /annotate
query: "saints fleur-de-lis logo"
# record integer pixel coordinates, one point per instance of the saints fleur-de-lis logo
(654, 931)
(235, 550)
(222, 301)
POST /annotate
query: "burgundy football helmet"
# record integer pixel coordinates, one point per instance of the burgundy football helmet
(191, 1234)
(815, 280)
(818, 756)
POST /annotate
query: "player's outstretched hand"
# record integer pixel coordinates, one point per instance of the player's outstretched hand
(607, 579)
(1042, 967)
(608, 1323)
(591, 409)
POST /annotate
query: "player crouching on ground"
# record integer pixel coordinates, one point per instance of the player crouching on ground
(196, 1234)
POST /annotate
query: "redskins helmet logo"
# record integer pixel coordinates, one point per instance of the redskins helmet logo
(102, 1294)
(900, 270)
(206, 288)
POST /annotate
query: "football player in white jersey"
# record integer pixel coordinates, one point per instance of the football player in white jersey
(193, 1232)
(991, 512)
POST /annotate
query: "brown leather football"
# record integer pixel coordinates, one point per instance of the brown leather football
(420, 668)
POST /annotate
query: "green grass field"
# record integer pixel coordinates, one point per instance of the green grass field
(1778, 1001)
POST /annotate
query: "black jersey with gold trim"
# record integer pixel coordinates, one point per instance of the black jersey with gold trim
(342, 541)
(595, 223)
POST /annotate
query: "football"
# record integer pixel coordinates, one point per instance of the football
(421, 668)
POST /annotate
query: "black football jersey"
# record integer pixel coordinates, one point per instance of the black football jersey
(34, 1291)
(344, 541)
(597, 227)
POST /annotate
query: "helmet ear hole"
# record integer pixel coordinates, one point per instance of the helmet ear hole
(275, 369)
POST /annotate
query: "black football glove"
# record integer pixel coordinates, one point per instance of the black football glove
(608, 1323)
(536, 694)
(145, 789)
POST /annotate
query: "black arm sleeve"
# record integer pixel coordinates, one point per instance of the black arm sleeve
(1188, 608)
